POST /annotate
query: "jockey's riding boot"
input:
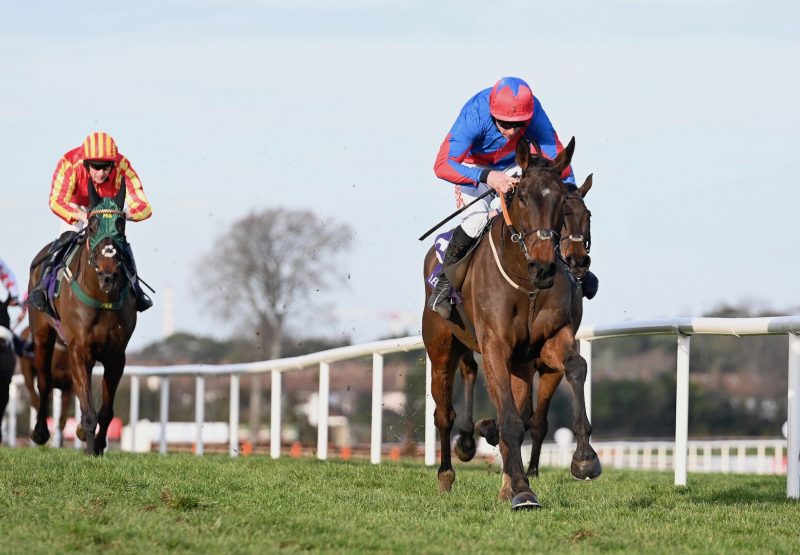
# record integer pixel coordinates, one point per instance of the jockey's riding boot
(589, 285)
(37, 298)
(456, 248)
(143, 301)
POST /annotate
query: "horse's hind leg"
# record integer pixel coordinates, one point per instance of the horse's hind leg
(444, 354)
(548, 382)
(561, 353)
(111, 378)
(465, 443)
(42, 356)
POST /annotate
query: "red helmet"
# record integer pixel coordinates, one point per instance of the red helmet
(511, 99)
(99, 146)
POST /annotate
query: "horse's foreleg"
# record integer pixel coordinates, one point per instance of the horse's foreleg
(81, 365)
(508, 400)
(111, 378)
(465, 443)
(561, 353)
(548, 382)
(43, 352)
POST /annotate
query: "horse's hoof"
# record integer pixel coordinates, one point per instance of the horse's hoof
(487, 428)
(81, 433)
(533, 473)
(525, 501)
(586, 470)
(446, 480)
(40, 436)
(465, 448)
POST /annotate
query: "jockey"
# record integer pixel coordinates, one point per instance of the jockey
(99, 160)
(482, 144)
(9, 281)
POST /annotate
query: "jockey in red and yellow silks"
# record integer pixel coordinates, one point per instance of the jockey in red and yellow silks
(69, 189)
(97, 161)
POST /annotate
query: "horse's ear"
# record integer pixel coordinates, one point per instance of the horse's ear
(535, 149)
(523, 153)
(94, 198)
(119, 199)
(564, 157)
(586, 186)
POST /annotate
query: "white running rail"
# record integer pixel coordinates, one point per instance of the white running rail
(680, 451)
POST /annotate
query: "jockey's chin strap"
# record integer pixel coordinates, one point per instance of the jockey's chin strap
(519, 236)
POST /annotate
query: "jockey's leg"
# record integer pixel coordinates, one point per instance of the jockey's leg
(143, 301)
(37, 298)
(474, 219)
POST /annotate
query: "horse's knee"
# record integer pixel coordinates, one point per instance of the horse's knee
(512, 429)
(575, 368)
(443, 419)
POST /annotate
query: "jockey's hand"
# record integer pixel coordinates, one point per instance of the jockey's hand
(13, 301)
(501, 182)
(81, 216)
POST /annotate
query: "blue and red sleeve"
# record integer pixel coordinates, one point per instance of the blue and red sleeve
(455, 148)
(542, 132)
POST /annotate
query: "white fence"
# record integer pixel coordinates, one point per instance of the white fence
(682, 328)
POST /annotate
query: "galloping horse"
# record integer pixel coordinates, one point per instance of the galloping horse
(575, 244)
(97, 312)
(520, 298)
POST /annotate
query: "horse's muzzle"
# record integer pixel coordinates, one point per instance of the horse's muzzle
(578, 265)
(543, 274)
(107, 281)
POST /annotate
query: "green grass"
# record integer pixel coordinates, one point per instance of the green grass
(62, 501)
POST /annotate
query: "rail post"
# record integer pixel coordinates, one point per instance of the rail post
(323, 401)
(377, 408)
(682, 410)
(793, 419)
(199, 412)
(163, 415)
(233, 417)
(275, 416)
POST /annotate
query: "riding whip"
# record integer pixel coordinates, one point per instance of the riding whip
(454, 214)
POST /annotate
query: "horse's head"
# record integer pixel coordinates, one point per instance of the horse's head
(105, 237)
(536, 210)
(576, 236)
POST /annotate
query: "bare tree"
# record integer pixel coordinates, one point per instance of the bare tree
(264, 270)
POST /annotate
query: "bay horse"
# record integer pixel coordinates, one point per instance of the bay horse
(97, 315)
(575, 243)
(519, 297)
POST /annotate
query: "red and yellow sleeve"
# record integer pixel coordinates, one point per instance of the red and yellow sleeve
(61, 191)
(138, 205)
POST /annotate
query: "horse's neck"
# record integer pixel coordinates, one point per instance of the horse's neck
(509, 252)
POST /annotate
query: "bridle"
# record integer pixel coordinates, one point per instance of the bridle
(108, 251)
(577, 237)
(540, 234)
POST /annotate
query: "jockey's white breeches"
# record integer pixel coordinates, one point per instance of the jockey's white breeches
(475, 218)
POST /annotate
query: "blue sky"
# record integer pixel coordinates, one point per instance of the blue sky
(686, 113)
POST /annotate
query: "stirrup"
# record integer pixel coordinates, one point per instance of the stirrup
(439, 302)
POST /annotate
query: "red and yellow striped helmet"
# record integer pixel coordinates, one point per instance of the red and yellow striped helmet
(99, 146)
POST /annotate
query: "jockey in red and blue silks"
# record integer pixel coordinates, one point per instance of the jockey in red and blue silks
(475, 155)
